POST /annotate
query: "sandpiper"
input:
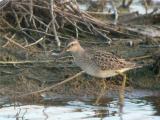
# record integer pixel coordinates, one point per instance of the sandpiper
(99, 64)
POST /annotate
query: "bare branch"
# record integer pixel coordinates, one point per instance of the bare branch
(54, 86)
(12, 41)
(53, 24)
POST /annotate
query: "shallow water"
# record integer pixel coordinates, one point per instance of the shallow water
(136, 6)
(134, 109)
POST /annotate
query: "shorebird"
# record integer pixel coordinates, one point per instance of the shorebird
(100, 64)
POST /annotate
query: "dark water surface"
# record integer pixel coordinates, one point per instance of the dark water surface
(145, 108)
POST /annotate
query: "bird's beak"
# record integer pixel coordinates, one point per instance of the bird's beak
(63, 51)
(60, 53)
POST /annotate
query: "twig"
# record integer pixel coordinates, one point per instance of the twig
(124, 5)
(76, 30)
(12, 41)
(26, 61)
(150, 46)
(17, 20)
(50, 35)
(115, 13)
(102, 34)
(146, 6)
(53, 24)
(48, 26)
(35, 17)
(35, 42)
(98, 13)
(31, 9)
(141, 57)
(8, 41)
(53, 86)
(129, 3)
(21, 31)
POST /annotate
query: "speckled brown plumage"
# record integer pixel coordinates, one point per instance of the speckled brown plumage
(108, 61)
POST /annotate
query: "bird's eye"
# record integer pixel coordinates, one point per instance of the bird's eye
(71, 45)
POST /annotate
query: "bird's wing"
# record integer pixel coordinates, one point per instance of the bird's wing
(109, 61)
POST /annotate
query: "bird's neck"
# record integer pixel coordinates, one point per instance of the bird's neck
(78, 52)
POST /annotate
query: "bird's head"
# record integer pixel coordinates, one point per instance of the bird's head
(73, 45)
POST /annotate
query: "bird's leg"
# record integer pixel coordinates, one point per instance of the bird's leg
(102, 92)
(122, 92)
(124, 79)
(104, 84)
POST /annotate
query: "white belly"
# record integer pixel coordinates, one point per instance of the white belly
(103, 74)
(106, 73)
